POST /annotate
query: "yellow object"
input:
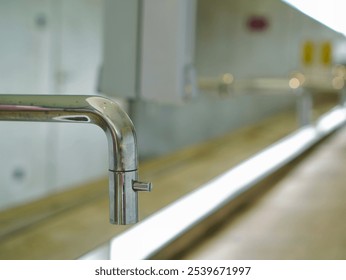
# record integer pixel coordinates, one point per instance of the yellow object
(308, 53)
(326, 53)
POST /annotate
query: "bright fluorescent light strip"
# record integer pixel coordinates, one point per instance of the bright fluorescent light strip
(330, 121)
(144, 239)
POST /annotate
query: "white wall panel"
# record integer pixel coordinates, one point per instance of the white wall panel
(23, 158)
(50, 47)
(81, 150)
(24, 56)
(167, 50)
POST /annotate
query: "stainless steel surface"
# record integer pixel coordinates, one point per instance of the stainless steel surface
(123, 199)
(142, 186)
(106, 114)
(227, 84)
(304, 106)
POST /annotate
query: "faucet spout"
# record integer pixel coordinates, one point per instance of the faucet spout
(105, 113)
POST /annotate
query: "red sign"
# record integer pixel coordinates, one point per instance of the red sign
(257, 23)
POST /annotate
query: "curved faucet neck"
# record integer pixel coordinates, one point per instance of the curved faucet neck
(105, 113)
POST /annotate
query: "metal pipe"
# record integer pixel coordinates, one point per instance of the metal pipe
(105, 113)
(304, 106)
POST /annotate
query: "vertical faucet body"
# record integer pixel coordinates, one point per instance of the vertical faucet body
(105, 113)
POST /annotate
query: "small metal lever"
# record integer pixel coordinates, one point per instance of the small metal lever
(141, 186)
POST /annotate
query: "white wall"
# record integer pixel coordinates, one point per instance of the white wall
(81, 150)
(49, 47)
(225, 44)
(24, 68)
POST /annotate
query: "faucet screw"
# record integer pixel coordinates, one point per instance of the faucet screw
(142, 186)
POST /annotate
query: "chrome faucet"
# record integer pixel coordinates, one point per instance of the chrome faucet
(122, 146)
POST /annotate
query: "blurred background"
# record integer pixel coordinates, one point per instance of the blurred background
(194, 76)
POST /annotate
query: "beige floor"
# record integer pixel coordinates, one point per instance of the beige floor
(303, 217)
